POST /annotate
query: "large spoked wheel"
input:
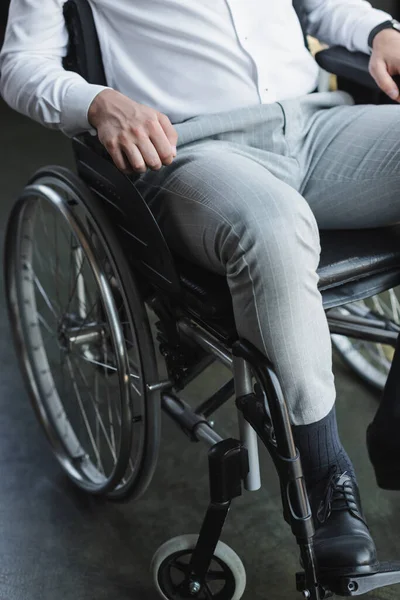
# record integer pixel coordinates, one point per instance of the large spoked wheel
(371, 361)
(225, 579)
(82, 336)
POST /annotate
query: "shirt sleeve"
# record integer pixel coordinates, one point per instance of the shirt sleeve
(343, 22)
(33, 80)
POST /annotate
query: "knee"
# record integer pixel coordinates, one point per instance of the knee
(283, 231)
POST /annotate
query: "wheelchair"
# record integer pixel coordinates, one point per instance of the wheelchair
(92, 288)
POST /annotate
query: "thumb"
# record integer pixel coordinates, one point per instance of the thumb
(379, 72)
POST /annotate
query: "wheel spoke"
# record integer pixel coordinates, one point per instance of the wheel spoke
(84, 415)
(107, 366)
(215, 576)
(109, 407)
(96, 409)
(45, 324)
(73, 288)
(134, 386)
(179, 567)
(377, 306)
(57, 267)
(44, 295)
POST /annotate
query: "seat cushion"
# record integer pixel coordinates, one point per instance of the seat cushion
(354, 264)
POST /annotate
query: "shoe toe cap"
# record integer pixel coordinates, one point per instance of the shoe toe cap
(346, 552)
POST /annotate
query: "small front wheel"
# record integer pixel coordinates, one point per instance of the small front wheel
(225, 579)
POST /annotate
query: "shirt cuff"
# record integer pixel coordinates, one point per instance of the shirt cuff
(364, 27)
(77, 101)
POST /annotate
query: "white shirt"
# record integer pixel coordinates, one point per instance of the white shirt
(182, 57)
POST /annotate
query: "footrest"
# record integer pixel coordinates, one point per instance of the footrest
(388, 574)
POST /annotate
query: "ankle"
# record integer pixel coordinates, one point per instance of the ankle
(321, 450)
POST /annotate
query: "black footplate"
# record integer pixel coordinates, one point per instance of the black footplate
(388, 574)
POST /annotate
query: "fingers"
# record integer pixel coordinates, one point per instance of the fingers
(134, 158)
(379, 72)
(153, 145)
(149, 152)
(165, 150)
(169, 130)
(114, 150)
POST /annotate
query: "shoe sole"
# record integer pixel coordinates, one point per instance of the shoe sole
(348, 571)
(326, 573)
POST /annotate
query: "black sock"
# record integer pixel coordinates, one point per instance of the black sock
(320, 449)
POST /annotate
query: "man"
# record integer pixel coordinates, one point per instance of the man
(261, 164)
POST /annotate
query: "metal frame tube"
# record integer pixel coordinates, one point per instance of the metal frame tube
(353, 329)
(243, 386)
(209, 406)
(207, 435)
(207, 341)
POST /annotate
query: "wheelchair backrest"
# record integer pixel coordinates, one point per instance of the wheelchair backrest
(84, 54)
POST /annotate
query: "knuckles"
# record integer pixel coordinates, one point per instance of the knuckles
(166, 159)
(154, 165)
(111, 144)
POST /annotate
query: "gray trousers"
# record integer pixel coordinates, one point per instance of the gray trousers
(246, 197)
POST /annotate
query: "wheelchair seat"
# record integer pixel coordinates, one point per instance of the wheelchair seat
(354, 264)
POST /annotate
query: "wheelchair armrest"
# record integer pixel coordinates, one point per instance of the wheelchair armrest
(352, 66)
(135, 224)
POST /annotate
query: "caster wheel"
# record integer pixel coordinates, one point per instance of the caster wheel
(225, 580)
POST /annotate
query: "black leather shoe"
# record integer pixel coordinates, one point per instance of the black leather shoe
(384, 458)
(343, 543)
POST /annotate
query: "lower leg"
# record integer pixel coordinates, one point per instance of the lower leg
(321, 449)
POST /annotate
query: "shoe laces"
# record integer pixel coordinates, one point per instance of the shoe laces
(338, 496)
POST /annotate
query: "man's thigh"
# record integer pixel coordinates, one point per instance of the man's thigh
(353, 172)
(212, 201)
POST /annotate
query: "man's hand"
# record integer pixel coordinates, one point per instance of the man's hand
(385, 61)
(135, 135)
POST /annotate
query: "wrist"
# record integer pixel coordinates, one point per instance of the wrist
(386, 36)
(388, 28)
(97, 107)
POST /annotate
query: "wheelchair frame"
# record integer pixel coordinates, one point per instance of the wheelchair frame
(262, 410)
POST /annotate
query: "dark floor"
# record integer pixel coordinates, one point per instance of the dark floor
(55, 542)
